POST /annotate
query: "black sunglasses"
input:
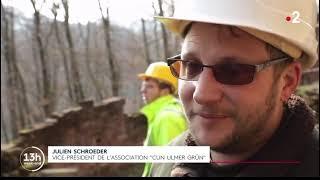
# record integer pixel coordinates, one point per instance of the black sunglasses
(225, 73)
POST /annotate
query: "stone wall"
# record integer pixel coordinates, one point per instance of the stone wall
(102, 124)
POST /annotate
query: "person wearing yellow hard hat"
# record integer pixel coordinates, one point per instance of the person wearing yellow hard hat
(240, 64)
(163, 111)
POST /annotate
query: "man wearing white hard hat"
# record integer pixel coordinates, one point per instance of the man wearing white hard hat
(240, 64)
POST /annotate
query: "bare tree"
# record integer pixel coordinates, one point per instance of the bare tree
(164, 33)
(61, 48)
(95, 82)
(46, 96)
(10, 75)
(5, 38)
(76, 81)
(145, 41)
(155, 32)
(21, 92)
(176, 39)
(4, 128)
(37, 75)
(16, 92)
(54, 84)
(4, 106)
(112, 63)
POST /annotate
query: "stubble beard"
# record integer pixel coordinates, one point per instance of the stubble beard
(246, 134)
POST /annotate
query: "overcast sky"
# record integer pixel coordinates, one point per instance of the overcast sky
(122, 12)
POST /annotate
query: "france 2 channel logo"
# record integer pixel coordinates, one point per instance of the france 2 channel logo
(294, 18)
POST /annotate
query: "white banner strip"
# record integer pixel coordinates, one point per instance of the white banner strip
(128, 154)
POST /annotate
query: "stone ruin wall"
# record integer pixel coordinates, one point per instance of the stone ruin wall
(90, 124)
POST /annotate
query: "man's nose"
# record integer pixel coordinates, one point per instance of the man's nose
(207, 89)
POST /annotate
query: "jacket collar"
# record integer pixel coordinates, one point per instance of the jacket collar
(151, 109)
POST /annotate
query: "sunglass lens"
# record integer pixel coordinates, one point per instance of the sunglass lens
(234, 74)
(175, 68)
(190, 70)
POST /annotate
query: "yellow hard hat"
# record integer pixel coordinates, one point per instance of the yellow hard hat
(160, 71)
(288, 25)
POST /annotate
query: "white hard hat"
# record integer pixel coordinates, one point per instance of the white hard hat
(288, 25)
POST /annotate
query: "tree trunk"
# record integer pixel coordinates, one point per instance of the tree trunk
(145, 41)
(112, 64)
(4, 135)
(46, 97)
(77, 86)
(9, 73)
(37, 74)
(22, 100)
(24, 107)
(90, 72)
(164, 34)
(54, 84)
(155, 32)
(64, 57)
(11, 79)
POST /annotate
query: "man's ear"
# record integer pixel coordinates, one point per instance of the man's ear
(164, 91)
(291, 77)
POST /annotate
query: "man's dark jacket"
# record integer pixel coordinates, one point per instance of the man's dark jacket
(294, 149)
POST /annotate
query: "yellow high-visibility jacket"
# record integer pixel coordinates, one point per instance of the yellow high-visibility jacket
(165, 121)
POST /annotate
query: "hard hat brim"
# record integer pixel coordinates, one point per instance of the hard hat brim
(177, 26)
(143, 77)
